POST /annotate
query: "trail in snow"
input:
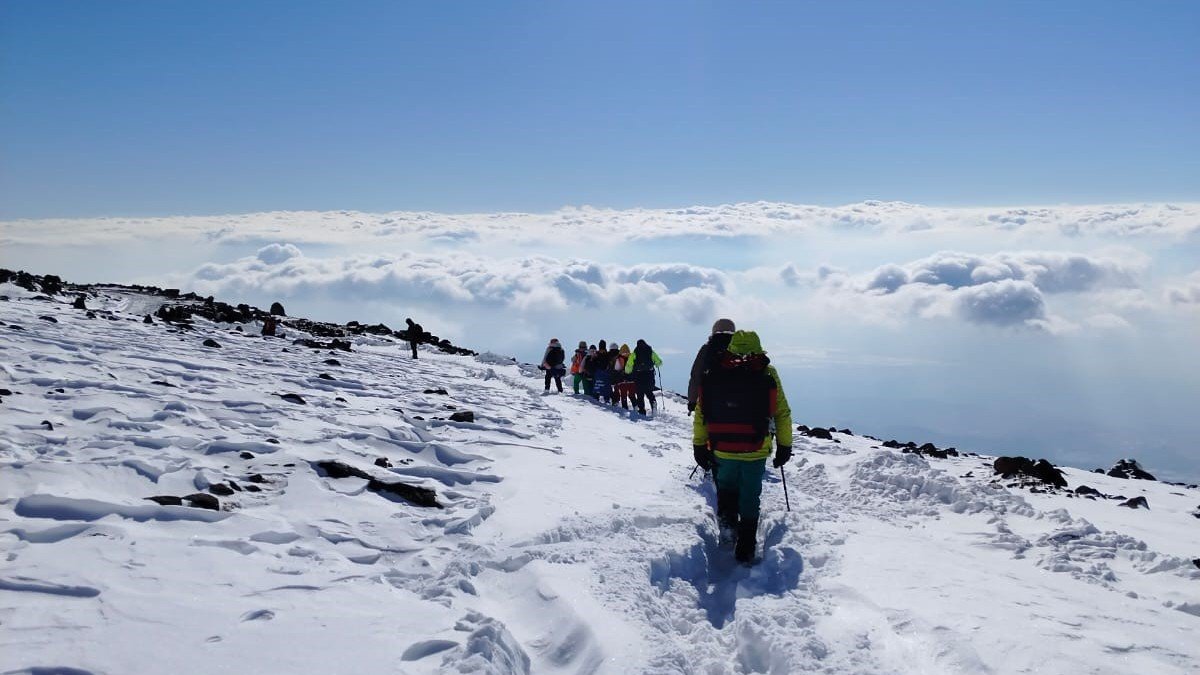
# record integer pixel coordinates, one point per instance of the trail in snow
(571, 536)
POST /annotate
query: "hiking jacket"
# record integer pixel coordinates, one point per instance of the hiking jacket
(632, 361)
(558, 361)
(782, 418)
(577, 361)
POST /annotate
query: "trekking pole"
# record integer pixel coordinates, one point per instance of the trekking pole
(786, 501)
(693, 473)
(661, 387)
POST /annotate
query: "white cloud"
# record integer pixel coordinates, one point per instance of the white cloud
(1186, 292)
(528, 285)
(578, 225)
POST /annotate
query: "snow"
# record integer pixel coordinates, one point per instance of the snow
(571, 537)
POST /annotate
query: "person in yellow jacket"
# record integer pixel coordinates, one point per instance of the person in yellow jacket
(641, 365)
(741, 413)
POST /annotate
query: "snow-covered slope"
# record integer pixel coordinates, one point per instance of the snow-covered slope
(569, 537)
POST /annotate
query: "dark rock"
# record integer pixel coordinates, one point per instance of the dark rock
(16, 327)
(462, 416)
(60, 390)
(277, 309)
(257, 478)
(204, 501)
(253, 488)
(212, 343)
(893, 444)
(292, 398)
(418, 417)
(846, 431)
(161, 383)
(818, 432)
(48, 318)
(336, 469)
(220, 489)
(80, 302)
(439, 392)
(420, 496)
(332, 362)
(802, 428)
(1136, 503)
(1128, 468)
(171, 292)
(1196, 562)
(273, 441)
(339, 399)
(166, 500)
(148, 319)
(383, 462)
(317, 344)
(6, 392)
(48, 425)
(325, 376)
(1041, 470)
(246, 454)
(1084, 490)
(52, 285)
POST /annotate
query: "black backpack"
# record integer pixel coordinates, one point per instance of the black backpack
(736, 399)
(643, 357)
(555, 356)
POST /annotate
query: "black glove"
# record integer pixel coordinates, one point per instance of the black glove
(691, 406)
(704, 457)
(782, 454)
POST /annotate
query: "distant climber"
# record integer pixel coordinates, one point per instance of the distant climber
(737, 402)
(641, 364)
(577, 365)
(552, 363)
(415, 335)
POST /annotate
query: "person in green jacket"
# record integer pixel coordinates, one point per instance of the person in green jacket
(738, 403)
(641, 364)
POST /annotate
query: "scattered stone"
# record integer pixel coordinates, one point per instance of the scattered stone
(161, 383)
(339, 399)
(148, 319)
(439, 392)
(336, 469)
(220, 489)
(48, 425)
(16, 327)
(1085, 491)
(383, 462)
(204, 501)
(60, 390)
(246, 454)
(462, 416)
(1136, 503)
(420, 496)
(5, 392)
(802, 428)
(166, 500)
(1041, 470)
(48, 318)
(80, 303)
(325, 376)
(332, 362)
(257, 478)
(253, 488)
(1129, 468)
(212, 343)
(846, 431)
(292, 398)
(818, 432)
(277, 309)
(340, 345)
(893, 444)
(273, 441)
(1196, 562)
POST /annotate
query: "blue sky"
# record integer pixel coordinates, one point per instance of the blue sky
(137, 108)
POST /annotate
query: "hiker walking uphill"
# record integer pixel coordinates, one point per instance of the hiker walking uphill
(641, 364)
(552, 363)
(717, 343)
(577, 366)
(739, 399)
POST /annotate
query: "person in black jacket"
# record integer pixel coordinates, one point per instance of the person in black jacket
(552, 363)
(415, 335)
(718, 342)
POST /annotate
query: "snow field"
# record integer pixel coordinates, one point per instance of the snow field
(571, 537)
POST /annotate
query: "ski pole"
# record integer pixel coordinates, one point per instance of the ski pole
(693, 473)
(786, 501)
(661, 388)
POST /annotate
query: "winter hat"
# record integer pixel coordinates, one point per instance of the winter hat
(603, 346)
(554, 341)
(641, 342)
(745, 342)
(724, 326)
(583, 344)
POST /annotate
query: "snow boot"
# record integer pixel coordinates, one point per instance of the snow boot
(727, 518)
(747, 540)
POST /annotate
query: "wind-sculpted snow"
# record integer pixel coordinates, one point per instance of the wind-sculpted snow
(571, 538)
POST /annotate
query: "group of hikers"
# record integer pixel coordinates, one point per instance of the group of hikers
(740, 413)
(605, 372)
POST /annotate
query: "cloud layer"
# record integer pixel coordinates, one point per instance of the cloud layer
(757, 219)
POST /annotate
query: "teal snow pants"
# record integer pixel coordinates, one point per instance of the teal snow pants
(744, 478)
